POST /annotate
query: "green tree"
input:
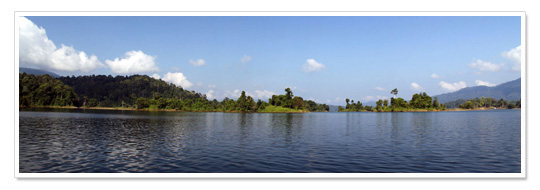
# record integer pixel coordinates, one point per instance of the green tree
(241, 102)
(92, 102)
(379, 105)
(467, 105)
(394, 92)
(436, 104)
(359, 106)
(298, 102)
(289, 93)
(142, 103)
(44, 90)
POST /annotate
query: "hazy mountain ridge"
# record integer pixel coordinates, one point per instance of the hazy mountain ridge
(508, 91)
(37, 72)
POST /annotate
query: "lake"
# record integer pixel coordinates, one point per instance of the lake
(89, 141)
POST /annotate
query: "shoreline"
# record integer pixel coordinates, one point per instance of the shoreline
(148, 110)
(172, 110)
(424, 110)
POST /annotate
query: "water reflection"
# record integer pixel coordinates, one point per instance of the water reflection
(80, 141)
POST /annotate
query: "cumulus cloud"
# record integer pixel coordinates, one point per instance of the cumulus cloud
(263, 94)
(198, 62)
(259, 94)
(515, 56)
(211, 86)
(210, 94)
(156, 76)
(483, 83)
(453, 86)
(245, 59)
(311, 66)
(416, 87)
(133, 62)
(380, 88)
(37, 50)
(178, 79)
(233, 94)
(374, 98)
(435, 76)
(486, 66)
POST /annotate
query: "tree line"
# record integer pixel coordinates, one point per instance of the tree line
(44, 90)
(142, 92)
(419, 101)
(483, 102)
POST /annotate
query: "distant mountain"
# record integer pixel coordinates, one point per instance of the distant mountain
(508, 91)
(37, 72)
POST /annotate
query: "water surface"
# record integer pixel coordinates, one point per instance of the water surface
(182, 142)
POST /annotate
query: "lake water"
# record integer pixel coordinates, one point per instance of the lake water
(183, 142)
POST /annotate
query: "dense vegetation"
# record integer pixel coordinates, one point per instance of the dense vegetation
(420, 101)
(486, 103)
(44, 90)
(144, 92)
(123, 91)
(288, 100)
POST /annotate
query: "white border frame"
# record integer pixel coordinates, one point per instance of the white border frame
(523, 173)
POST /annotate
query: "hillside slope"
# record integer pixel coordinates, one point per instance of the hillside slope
(509, 91)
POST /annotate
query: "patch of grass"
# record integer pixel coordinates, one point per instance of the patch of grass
(271, 109)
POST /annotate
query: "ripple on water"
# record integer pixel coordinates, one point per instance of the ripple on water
(77, 141)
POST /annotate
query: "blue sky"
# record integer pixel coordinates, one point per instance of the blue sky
(325, 59)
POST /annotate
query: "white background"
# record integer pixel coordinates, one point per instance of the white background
(8, 96)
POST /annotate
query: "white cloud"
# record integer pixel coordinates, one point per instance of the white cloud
(210, 94)
(133, 62)
(263, 94)
(380, 88)
(486, 66)
(245, 59)
(198, 62)
(234, 94)
(178, 79)
(416, 87)
(156, 76)
(374, 98)
(483, 83)
(435, 76)
(211, 86)
(259, 94)
(199, 83)
(35, 49)
(452, 87)
(312, 66)
(515, 56)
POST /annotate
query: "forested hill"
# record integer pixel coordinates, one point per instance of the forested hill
(121, 91)
(37, 72)
(509, 91)
(44, 90)
(143, 92)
